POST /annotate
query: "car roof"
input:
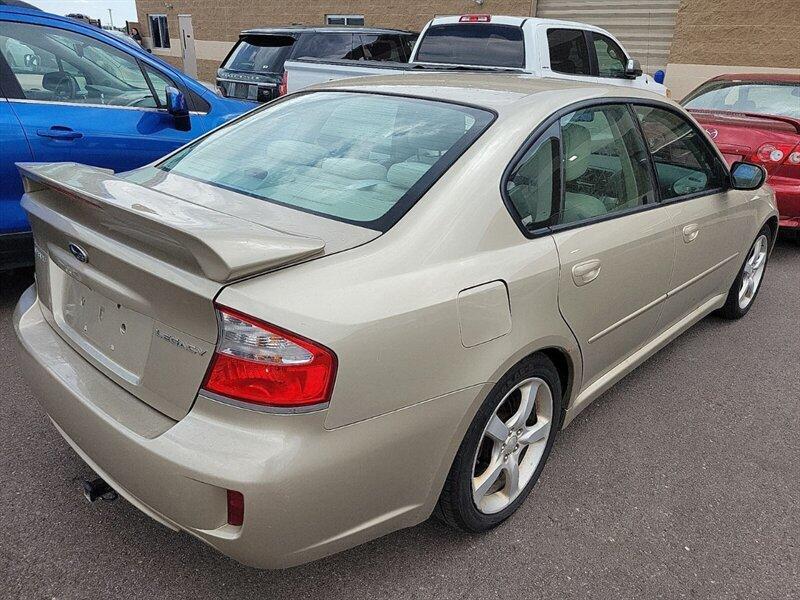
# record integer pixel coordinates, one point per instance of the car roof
(496, 91)
(517, 21)
(777, 77)
(320, 29)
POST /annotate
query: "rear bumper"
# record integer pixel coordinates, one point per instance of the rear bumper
(787, 197)
(16, 250)
(308, 491)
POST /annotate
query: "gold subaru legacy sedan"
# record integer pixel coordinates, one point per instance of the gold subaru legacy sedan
(375, 301)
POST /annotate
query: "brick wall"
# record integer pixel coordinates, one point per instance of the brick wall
(758, 33)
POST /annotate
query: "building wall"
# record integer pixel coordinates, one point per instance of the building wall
(217, 23)
(713, 37)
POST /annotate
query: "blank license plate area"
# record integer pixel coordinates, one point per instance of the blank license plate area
(108, 330)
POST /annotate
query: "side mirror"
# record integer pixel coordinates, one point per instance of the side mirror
(747, 176)
(632, 69)
(178, 108)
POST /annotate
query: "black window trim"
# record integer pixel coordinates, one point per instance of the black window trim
(544, 127)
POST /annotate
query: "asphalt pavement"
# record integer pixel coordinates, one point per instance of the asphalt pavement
(683, 481)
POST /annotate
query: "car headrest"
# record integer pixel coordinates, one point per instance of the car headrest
(406, 174)
(354, 168)
(578, 148)
(295, 152)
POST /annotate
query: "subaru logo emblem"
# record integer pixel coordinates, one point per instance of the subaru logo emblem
(79, 253)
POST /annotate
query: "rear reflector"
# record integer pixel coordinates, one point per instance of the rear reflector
(235, 508)
(265, 365)
(475, 19)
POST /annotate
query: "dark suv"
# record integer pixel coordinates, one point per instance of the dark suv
(253, 70)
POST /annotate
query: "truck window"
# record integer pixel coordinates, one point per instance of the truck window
(480, 44)
(568, 51)
(610, 57)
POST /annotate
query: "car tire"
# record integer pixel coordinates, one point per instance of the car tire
(457, 504)
(736, 305)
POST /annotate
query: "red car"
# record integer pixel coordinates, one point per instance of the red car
(756, 118)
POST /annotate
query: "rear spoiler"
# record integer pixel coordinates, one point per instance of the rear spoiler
(213, 244)
(750, 115)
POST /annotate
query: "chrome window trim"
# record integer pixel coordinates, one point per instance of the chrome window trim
(91, 105)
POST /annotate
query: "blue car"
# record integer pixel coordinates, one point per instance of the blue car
(71, 92)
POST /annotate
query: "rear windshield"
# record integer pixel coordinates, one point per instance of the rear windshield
(473, 44)
(782, 99)
(354, 157)
(260, 54)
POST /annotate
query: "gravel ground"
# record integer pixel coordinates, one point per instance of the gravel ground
(680, 482)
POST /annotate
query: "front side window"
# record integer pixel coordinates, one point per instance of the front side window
(568, 51)
(330, 46)
(605, 164)
(684, 163)
(610, 57)
(54, 65)
(533, 186)
(159, 30)
(477, 44)
(763, 98)
(348, 156)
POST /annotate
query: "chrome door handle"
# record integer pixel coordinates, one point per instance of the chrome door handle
(586, 272)
(690, 232)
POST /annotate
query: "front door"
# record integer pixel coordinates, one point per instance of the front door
(81, 99)
(710, 220)
(187, 45)
(615, 243)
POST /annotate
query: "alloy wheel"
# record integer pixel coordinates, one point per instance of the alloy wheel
(753, 271)
(512, 445)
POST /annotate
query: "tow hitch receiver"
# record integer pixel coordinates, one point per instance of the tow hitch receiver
(97, 488)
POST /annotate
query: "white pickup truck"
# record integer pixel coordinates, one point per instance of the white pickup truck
(540, 47)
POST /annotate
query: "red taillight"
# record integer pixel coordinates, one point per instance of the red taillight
(235, 508)
(475, 19)
(262, 364)
(283, 86)
(772, 155)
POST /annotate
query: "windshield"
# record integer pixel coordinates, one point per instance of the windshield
(354, 157)
(260, 54)
(473, 44)
(782, 99)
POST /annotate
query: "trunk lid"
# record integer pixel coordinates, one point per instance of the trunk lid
(127, 274)
(740, 135)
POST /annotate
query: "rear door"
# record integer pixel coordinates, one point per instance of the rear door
(711, 221)
(81, 99)
(615, 242)
(13, 148)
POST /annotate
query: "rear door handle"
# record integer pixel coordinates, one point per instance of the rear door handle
(586, 272)
(690, 232)
(58, 132)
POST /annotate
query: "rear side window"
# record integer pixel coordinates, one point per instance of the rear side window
(379, 47)
(605, 164)
(568, 51)
(534, 185)
(359, 158)
(260, 54)
(684, 163)
(330, 46)
(473, 44)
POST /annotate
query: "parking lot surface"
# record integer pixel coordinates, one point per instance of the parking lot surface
(683, 481)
